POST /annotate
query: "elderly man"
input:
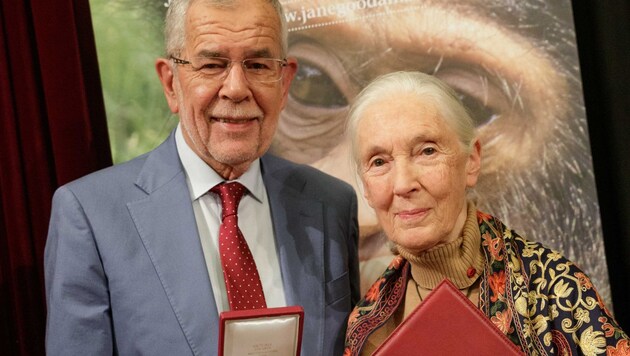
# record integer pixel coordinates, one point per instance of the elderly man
(135, 253)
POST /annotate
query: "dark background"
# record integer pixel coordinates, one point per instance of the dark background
(603, 38)
(53, 130)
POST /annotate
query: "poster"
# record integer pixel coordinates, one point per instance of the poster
(514, 65)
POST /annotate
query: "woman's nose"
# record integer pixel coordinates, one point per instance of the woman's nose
(405, 177)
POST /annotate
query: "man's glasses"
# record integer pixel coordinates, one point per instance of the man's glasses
(261, 70)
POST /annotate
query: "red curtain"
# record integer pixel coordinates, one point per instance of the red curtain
(52, 130)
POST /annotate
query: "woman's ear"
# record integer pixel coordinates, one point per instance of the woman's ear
(473, 166)
(167, 77)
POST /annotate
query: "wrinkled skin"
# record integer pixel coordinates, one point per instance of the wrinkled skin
(414, 171)
(229, 122)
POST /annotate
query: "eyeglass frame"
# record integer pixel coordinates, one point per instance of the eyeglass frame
(282, 61)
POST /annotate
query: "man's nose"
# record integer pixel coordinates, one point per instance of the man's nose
(235, 86)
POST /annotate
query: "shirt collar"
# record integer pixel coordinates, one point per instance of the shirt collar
(201, 177)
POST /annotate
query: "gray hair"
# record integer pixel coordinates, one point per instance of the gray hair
(175, 23)
(421, 85)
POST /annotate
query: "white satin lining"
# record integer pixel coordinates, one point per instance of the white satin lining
(277, 336)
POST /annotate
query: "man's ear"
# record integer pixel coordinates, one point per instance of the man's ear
(167, 78)
(287, 77)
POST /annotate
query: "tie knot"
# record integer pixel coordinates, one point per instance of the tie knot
(230, 194)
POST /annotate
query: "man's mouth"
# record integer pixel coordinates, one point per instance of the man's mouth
(225, 120)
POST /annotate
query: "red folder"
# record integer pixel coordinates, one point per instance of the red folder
(267, 331)
(447, 323)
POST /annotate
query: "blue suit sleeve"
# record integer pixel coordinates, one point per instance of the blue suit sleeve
(353, 248)
(79, 319)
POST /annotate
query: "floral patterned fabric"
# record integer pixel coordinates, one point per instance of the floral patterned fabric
(541, 301)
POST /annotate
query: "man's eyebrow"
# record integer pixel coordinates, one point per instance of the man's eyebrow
(207, 54)
(259, 53)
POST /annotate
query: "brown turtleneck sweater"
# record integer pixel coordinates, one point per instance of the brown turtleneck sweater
(461, 261)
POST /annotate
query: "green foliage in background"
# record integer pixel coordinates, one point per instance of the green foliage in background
(128, 40)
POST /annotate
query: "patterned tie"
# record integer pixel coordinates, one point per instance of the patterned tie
(242, 281)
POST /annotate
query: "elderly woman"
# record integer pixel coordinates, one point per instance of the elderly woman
(415, 149)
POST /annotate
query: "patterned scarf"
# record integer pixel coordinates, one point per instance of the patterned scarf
(541, 301)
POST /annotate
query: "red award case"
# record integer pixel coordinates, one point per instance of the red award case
(447, 323)
(270, 331)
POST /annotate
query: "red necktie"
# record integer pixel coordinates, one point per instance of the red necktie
(242, 281)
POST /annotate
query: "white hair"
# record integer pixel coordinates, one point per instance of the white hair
(420, 85)
(175, 23)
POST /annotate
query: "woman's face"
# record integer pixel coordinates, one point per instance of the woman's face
(511, 87)
(415, 171)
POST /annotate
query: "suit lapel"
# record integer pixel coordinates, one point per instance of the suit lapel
(166, 224)
(298, 226)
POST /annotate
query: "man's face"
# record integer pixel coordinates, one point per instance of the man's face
(229, 121)
(513, 90)
(415, 171)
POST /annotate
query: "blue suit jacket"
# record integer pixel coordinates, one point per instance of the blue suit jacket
(125, 272)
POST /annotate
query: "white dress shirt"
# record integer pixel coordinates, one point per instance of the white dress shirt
(254, 220)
